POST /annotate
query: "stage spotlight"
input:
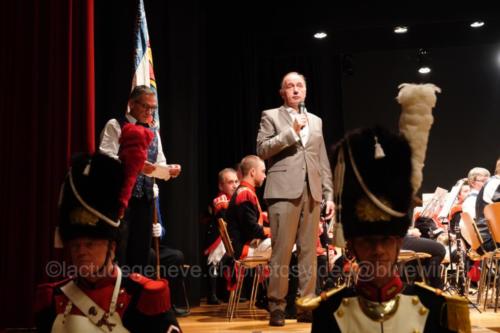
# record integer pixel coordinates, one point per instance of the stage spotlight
(423, 59)
(477, 24)
(424, 70)
(400, 29)
(320, 35)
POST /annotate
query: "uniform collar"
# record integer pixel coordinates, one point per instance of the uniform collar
(103, 282)
(245, 184)
(376, 294)
(130, 119)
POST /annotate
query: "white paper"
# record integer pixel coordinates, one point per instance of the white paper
(161, 172)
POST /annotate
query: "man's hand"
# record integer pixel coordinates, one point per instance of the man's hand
(174, 170)
(299, 122)
(148, 168)
(414, 232)
(157, 230)
(330, 210)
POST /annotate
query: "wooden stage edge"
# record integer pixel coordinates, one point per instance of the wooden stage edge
(212, 318)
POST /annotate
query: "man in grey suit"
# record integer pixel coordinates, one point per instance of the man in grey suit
(299, 177)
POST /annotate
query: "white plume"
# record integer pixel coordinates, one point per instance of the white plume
(417, 101)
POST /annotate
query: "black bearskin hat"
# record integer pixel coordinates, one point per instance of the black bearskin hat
(373, 189)
(89, 203)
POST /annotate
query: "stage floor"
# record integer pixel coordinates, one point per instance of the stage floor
(212, 318)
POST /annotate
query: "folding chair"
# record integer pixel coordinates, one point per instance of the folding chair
(247, 263)
(492, 215)
(471, 234)
(406, 256)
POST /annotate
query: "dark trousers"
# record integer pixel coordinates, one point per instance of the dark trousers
(432, 266)
(136, 233)
(171, 268)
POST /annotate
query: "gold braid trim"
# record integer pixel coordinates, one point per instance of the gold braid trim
(368, 193)
(458, 314)
(457, 308)
(88, 207)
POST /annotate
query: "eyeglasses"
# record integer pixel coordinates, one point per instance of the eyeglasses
(152, 108)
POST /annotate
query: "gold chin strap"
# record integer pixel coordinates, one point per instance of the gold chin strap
(87, 206)
(368, 193)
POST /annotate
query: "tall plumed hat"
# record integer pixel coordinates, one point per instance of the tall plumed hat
(90, 204)
(97, 188)
(377, 173)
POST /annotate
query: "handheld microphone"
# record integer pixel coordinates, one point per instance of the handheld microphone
(302, 107)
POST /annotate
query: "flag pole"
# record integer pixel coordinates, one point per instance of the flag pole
(156, 239)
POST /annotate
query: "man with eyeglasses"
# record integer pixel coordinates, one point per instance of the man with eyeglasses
(476, 177)
(488, 194)
(137, 229)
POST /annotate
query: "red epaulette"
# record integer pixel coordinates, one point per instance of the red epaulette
(44, 295)
(220, 203)
(246, 195)
(155, 295)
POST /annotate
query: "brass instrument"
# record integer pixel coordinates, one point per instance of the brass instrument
(443, 215)
(311, 303)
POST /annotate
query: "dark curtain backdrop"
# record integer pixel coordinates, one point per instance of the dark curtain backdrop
(47, 106)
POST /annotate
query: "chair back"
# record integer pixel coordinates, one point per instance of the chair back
(470, 232)
(224, 234)
(492, 215)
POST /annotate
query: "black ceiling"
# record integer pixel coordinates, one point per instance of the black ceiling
(288, 26)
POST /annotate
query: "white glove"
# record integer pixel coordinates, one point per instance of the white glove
(157, 230)
(156, 190)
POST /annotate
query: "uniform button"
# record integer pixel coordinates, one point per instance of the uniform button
(345, 301)
(416, 331)
(340, 313)
(120, 305)
(122, 291)
(423, 311)
(415, 300)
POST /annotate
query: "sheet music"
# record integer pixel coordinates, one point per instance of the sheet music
(450, 200)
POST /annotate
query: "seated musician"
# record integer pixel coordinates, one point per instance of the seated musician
(456, 209)
(488, 194)
(476, 178)
(244, 217)
(426, 219)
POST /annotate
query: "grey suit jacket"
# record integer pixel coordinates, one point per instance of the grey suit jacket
(289, 160)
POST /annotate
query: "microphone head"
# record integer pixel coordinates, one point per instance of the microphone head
(302, 107)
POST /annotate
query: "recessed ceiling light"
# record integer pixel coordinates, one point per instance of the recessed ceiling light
(477, 24)
(400, 29)
(320, 35)
(424, 70)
